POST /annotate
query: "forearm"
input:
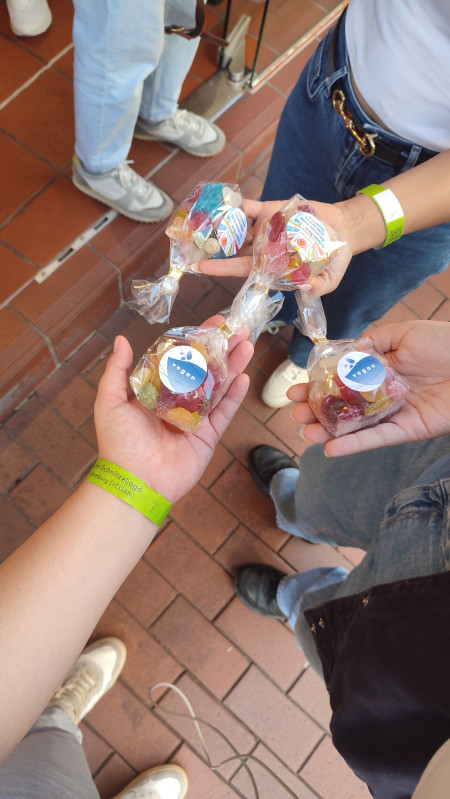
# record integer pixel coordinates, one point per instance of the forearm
(70, 568)
(423, 192)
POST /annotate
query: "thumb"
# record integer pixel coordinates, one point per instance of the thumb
(113, 385)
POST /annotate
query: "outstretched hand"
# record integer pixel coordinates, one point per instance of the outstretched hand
(420, 352)
(170, 462)
(241, 265)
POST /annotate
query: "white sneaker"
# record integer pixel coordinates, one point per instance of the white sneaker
(125, 191)
(93, 674)
(186, 130)
(161, 782)
(274, 326)
(29, 17)
(286, 375)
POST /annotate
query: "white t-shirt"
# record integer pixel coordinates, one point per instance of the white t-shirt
(399, 51)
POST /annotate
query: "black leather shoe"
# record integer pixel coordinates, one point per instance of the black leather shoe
(256, 586)
(264, 462)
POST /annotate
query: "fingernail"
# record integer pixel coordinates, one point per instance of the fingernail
(116, 344)
(194, 268)
(301, 432)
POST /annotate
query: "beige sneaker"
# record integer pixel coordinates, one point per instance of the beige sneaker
(191, 132)
(29, 17)
(93, 674)
(161, 782)
(286, 375)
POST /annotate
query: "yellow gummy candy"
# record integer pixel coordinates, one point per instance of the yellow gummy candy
(183, 419)
(379, 405)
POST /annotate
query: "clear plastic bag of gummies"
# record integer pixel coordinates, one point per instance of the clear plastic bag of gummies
(351, 384)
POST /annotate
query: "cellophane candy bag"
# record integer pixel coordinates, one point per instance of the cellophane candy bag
(351, 385)
(209, 223)
(180, 375)
(294, 245)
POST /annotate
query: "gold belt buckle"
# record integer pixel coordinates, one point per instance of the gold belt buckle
(366, 144)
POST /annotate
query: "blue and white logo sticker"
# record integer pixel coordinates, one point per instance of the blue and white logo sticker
(182, 369)
(361, 371)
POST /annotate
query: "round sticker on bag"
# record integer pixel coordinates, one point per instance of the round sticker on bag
(361, 371)
(308, 236)
(182, 369)
(232, 231)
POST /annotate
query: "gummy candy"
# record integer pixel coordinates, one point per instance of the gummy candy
(191, 367)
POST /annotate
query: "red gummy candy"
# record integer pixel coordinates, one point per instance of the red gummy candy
(198, 219)
(336, 409)
(350, 395)
(302, 274)
(306, 208)
(276, 226)
(280, 263)
(192, 401)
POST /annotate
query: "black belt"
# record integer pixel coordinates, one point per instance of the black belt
(368, 144)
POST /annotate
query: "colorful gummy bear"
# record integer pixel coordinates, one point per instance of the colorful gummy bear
(351, 386)
(180, 376)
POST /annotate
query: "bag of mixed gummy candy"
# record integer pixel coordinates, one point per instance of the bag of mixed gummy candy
(351, 385)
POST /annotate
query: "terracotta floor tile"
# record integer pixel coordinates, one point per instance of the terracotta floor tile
(54, 39)
(286, 77)
(184, 171)
(293, 20)
(16, 528)
(219, 462)
(277, 721)
(441, 281)
(443, 312)
(16, 66)
(207, 585)
(268, 787)
(147, 662)
(283, 661)
(327, 773)
(15, 271)
(245, 547)
(97, 751)
(287, 430)
(246, 432)
(23, 174)
(399, 313)
(204, 518)
(203, 783)
(88, 355)
(69, 394)
(15, 461)
(39, 494)
(237, 489)
(202, 649)
(64, 64)
(114, 776)
(424, 301)
(48, 101)
(51, 222)
(302, 555)
(214, 713)
(130, 728)
(145, 594)
(310, 693)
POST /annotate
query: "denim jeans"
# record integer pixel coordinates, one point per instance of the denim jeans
(49, 762)
(391, 502)
(315, 155)
(125, 67)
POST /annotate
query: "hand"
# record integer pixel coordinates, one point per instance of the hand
(136, 439)
(420, 352)
(329, 278)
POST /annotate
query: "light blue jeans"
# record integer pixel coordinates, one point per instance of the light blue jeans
(49, 763)
(391, 502)
(125, 67)
(315, 155)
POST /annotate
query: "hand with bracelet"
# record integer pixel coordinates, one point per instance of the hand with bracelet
(422, 194)
(54, 587)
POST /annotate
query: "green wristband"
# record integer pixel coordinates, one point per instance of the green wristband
(391, 210)
(131, 489)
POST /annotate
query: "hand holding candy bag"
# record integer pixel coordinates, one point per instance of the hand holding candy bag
(210, 223)
(293, 246)
(351, 385)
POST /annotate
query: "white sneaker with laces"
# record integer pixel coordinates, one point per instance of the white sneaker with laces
(29, 17)
(93, 674)
(274, 326)
(125, 191)
(286, 375)
(161, 782)
(186, 130)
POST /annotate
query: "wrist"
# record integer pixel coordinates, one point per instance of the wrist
(129, 488)
(364, 223)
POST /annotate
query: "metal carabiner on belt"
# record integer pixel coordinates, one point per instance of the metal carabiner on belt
(366, 144)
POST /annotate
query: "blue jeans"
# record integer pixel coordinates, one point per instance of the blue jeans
(315, 155)
(391, 502)
(49, 762)
(125, 67)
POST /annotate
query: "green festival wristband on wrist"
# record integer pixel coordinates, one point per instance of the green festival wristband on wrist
(131, 489)
(391, 211)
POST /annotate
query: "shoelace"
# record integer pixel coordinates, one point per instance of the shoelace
(273, 328)
(130, 179)
(292, 372)
(183, 121)
(77, 690)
